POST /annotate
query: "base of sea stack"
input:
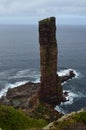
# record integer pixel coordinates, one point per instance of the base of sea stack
(28, 96)
(50, 96)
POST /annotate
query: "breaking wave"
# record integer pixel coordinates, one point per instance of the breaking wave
(34, 76)
(27, 73)
(10, 85)
(62, 73)
(72, 95)
(66, 72)
(70, 100)
(13, 78)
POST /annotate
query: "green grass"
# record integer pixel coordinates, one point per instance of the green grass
(12, 119)
(72, 122)
(80, 117)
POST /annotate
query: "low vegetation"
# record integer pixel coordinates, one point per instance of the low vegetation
(75, 121)
(12, 119)
(46, 112)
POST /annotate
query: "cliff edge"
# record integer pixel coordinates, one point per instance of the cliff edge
(72, 121)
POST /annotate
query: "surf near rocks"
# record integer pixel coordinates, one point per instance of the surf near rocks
(49, 90)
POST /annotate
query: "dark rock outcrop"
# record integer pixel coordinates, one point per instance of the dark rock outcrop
(24, 96)
(51, 89)
(67, 77)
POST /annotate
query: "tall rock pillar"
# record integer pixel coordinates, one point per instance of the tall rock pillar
(48, 61)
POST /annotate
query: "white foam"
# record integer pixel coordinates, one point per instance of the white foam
(20, 74)
(66, 72)
(10, 85)
(70, 99)
(27, 73)
(64, 83)
(37, 80)
(59, 109)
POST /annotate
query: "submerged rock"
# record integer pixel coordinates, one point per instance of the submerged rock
(68, 76)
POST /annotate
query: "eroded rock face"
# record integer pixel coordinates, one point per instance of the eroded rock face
(24, 96)
(51, 90)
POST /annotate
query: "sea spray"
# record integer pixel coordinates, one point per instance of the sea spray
(67, 71)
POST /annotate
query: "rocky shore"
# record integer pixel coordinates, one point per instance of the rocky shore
(26, 96)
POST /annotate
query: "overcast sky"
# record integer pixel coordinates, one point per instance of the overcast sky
(30, 11)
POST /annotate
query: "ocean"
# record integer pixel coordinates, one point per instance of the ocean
(20, 60)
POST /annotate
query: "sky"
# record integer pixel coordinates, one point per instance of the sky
(30, 11)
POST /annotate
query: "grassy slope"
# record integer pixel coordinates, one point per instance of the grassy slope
(71, 121)
(12, 119)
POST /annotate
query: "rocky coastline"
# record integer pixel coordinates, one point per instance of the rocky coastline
(26, 96)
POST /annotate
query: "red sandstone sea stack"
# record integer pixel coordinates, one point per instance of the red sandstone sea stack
(51, 89)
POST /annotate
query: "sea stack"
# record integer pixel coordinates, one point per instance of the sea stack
(50, 89)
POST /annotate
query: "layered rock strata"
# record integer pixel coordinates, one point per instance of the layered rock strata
(24, 97)
(51, 90)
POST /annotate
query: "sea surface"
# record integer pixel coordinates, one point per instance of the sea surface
(20, 60)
